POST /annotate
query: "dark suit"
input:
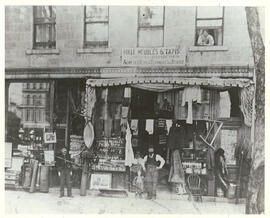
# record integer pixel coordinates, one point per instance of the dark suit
(64, 168)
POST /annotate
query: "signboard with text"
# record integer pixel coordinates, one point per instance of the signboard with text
(165, 56)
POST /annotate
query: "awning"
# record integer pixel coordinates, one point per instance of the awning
(174, 82)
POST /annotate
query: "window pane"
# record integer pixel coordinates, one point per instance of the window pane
(45, 11)
(97, 13)
(45, 33)
(216, 33)
(209, 12)
(150, 37)
(209, 23)
(97, 32)
(151, 16)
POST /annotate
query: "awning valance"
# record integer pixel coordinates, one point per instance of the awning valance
(173, 82)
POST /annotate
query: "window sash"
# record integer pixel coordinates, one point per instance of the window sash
(93, 16)
(50, 10)
(92, 38)
(44, 27)
(147, 18)
(209, 12)
(150, 37)
(208, 21)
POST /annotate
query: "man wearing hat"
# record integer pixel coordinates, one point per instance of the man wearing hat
(151, 164)
(64, 171)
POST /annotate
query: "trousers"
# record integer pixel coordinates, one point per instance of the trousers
(151, 179)
(65, 180)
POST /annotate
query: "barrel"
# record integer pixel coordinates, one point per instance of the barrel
(231, 191)
(44, 179)
(27, 177)
(34, 177)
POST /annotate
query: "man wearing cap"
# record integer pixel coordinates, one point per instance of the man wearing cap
(65, 172)
(151, 164)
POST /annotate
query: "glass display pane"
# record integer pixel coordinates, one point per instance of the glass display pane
(151, 16)
(27, 109)
(151, 37)
(97, 32)
(97, 13)
(228, 143)
(209, 12)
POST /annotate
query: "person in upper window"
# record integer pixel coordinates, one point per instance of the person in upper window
(205, 38)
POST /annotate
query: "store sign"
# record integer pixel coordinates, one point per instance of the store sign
(172, 56)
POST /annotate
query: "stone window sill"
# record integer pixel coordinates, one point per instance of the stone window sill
(207, 48)
(93, 50)
(42, 51)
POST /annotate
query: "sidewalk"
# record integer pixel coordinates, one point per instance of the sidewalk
(23, 202)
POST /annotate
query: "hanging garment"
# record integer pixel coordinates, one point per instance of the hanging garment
(149, 126)
(127, 92)
(127, 96)
(191, 93)
(177, 174)
(124, 113)
(168, 125)
(225, 105)
(246, 97)
(134, 127)
(115, 94)
(129, 155)
(210, 163)
(176, 137)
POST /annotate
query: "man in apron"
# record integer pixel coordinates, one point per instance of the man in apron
(152, 163)
(64, 172)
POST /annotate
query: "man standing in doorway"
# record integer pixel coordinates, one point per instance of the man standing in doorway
(64, 172)
(151, 164)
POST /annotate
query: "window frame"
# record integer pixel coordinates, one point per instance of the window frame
(95, 44)
(43, 21)
(210, 18)
(150, 27)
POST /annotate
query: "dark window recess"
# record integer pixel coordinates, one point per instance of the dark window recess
(44, 27)
(96, 26)
(209, 26)
(142, 104)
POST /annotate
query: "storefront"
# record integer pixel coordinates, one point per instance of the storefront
(210, 112)
(219, 115)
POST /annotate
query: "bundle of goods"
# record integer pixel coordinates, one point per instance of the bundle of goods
(104, 165)
(12, 179)
(193, 167)
(76, 143)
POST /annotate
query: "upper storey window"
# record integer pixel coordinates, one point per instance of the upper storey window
(44, 27)
(209, 26)
(151, 26)
(96, 26)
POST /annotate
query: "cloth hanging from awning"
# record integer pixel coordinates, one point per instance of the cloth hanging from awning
(90, 98)
(129, 154)
(157, 87)
(171, 81)
(191, 94)
(246, 98)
